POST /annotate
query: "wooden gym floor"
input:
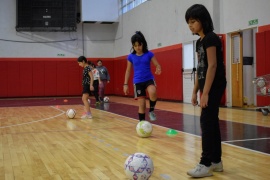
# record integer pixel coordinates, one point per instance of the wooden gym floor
(38, 142)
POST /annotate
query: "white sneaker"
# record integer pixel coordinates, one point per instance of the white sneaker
(200, 171)
(86, 116)
(152, 116)
(217, 167)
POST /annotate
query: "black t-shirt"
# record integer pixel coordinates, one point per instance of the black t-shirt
(85, 76)
(210, 39)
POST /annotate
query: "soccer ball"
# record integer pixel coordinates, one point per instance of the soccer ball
(106, 99)
(144, 129)
(139, 166)
(70, 113)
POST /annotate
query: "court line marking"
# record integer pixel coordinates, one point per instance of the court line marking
(87, 133)
(226, 120)
(63, 112)
(254, 139)
(240, 147)
(223, 142)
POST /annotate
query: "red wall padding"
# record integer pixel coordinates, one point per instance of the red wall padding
(29, 77)
(120, 65)
(3, 78)
(74, 77)
(50, 78)
(40, 77)
(25, 77)
(62, 78)
(263, 63)
(170, 82)
(13, 79)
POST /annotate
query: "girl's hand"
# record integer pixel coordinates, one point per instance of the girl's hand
(125, 89)
(158, 70)
(194, 100)
(204, 101)
(91, 88)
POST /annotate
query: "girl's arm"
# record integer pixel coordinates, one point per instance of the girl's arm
(194, 100)
(91, 79)
(210, 74)
(127, 74)
(158, 67)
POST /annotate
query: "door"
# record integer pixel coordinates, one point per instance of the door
(189, 64)
(237, 69)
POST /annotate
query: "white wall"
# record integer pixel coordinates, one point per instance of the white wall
(98, 39)
(161, 21)
(99, 10)
(237, 13)
(164, 21)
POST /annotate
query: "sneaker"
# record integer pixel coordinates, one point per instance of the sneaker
(200, 171)
(217, 167)
(86, 116)
(152, 116)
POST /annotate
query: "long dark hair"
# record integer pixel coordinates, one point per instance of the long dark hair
(200, 13)
(139, 37)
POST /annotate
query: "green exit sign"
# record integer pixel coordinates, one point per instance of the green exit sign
(253, 22)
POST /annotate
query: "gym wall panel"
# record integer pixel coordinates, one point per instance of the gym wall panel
(3, 79)
(260, 60)
(50, 78)
(38, 78)
(170, 82)
(267, 62)
(26, 78)
(119, 74)
(267, 52)
(262, 64)
(13, 79)
(74, 76)
(62, 75)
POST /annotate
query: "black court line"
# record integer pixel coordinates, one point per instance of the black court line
(252, 137)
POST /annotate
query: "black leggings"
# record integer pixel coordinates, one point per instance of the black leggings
(209, 120)
(95, 92)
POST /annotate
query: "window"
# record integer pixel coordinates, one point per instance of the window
(127, 5)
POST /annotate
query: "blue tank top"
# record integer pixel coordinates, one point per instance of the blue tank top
(142, 67)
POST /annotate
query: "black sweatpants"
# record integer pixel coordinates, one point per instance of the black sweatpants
(95, 92)
(209, 120)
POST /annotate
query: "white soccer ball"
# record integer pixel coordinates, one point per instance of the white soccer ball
(70, 113)
(139, 166)
(106, 99)
(144, 129)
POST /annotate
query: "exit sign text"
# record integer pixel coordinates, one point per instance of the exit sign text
(253, 22)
